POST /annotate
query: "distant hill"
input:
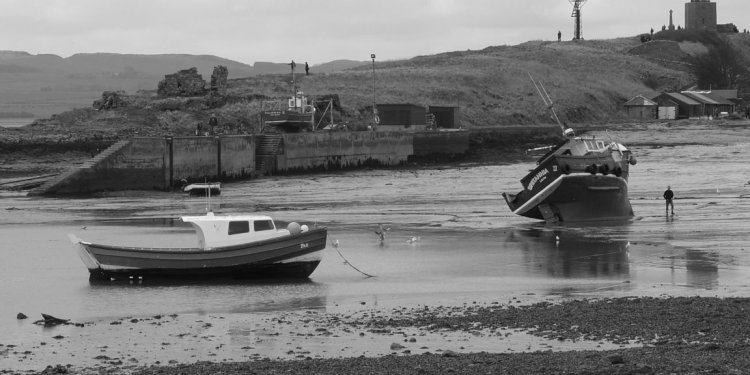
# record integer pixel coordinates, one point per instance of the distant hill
(46, 84)
(329, 67)
(264, 67)
(338, 65)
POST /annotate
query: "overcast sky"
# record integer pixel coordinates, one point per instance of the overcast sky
(319, 31)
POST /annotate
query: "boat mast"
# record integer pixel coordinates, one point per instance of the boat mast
(548, 102)
(294, 84)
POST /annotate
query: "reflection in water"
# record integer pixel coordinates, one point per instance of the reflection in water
(702, 269)
(570, 253)
(230, 296)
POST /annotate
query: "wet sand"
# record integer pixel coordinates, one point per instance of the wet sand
(699, 252)
(655, 335)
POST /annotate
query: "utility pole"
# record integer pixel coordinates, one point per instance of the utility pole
(375, 118)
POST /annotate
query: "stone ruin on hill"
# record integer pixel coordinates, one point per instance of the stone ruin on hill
(188, 82)
(183, 83)
(219, 80)
(111, 100)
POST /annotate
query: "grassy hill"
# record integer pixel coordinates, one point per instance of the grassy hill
(588, 80)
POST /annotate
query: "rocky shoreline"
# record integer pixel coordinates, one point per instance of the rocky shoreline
(682, 335)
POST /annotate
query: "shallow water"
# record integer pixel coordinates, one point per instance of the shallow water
(452, 240)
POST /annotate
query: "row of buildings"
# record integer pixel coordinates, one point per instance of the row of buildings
(684, 104)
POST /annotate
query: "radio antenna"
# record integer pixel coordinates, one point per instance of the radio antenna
(577, 4)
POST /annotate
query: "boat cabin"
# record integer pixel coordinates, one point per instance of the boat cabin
(299, 101)
(576, 147)
(216, 231)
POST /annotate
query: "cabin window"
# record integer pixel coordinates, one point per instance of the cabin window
(592, 145)
(261, 225)
(237, 227)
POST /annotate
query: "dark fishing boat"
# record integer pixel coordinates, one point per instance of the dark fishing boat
(293, 115)
(580, 179)
(236, 246)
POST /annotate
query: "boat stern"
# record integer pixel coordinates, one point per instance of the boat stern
(510, 199)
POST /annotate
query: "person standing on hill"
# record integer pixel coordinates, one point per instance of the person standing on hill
(668, 197)
(213, 123)
(559, 35)
(307, 69)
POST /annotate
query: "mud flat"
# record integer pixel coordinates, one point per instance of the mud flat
(657, 335)
(659, 295)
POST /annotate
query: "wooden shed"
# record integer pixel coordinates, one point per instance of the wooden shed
(686, 107)
(668, 108)
(641, 108)
(711, 105)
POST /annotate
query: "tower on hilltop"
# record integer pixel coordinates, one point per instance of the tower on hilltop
(577, 4)
(700, 15)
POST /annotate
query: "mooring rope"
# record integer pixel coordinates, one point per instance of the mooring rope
(335, 244)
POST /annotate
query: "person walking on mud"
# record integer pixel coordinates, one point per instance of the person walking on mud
(668, 197)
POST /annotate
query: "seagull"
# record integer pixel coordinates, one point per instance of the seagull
(381, 232)
(413, 239)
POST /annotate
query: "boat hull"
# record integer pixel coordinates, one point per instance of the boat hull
(288, 121)
(576, 198)
(291, 256)
(203, 189)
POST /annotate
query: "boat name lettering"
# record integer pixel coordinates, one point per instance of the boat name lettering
(304, 245)
(538, 178)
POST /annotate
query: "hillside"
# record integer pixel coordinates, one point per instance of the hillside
(589, 81)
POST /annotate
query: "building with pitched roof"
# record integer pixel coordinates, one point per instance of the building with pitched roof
(696, 104)
(685, 107)
(641, 108)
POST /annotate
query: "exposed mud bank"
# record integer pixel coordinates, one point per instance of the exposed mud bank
(35, 148)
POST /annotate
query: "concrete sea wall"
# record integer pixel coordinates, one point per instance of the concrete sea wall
(198, 158)
(162, 163)
(157, 164)
(441, 142)
(327, 150)
(236, 157)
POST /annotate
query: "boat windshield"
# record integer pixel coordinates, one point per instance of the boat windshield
(261, 225)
